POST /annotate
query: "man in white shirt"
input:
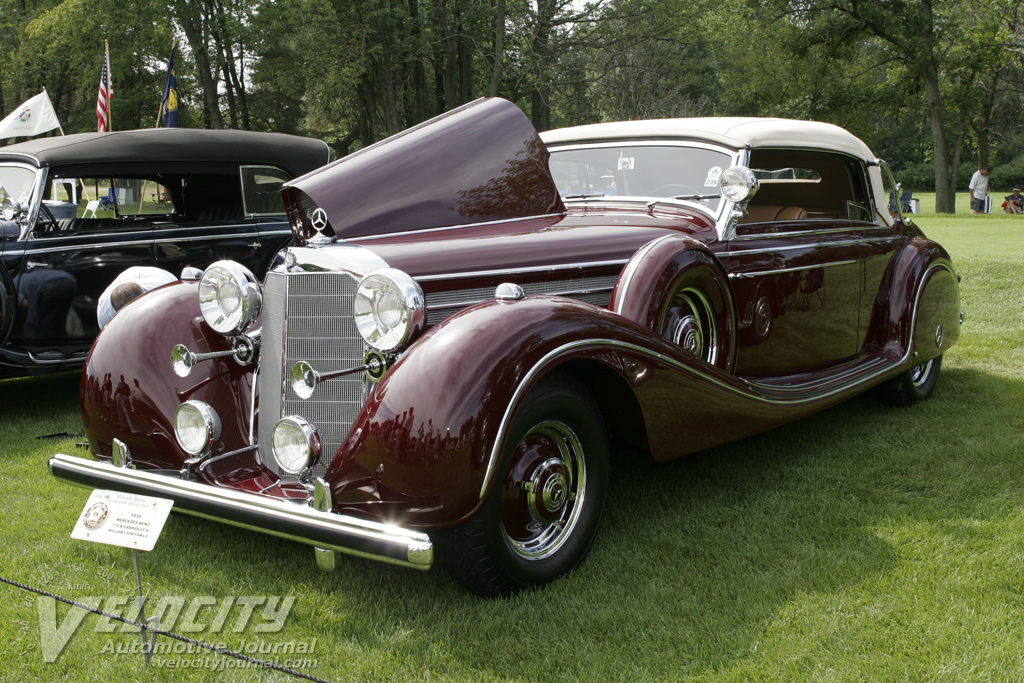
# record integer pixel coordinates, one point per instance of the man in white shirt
(130, 284)
(979, 189)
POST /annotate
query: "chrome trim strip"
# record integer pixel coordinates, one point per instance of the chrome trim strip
(794, 269)
(799, 233)
(518, 271)
(293, 521)
(752, 385)
(816, 245)
(60, 361)
(447, 227)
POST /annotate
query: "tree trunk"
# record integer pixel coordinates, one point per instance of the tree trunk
(540, 99)
(945, 176)
(196, 36)
(499, 47)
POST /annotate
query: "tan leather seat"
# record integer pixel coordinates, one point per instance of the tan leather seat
(765, 213)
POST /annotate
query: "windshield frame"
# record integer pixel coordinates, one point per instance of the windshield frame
(724, 207)
(31, 205)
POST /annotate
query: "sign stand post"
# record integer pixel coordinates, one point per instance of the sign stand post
(129, 521)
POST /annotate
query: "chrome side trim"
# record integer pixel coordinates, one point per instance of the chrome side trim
(800, 247)
(520, 271)
(794, 269)
(292, 521)
(801, 233)
(756, 391)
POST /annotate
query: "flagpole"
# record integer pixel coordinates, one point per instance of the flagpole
(110, 87)
(81, 181)
(160, 112)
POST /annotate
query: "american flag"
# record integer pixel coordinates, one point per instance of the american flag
(106, 92)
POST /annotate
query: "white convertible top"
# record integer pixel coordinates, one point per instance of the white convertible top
(734, 132)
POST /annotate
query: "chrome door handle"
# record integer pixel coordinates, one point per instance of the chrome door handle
(33, 264)
(255, 245)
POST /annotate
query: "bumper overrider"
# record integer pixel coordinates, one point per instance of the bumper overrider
(326, 531)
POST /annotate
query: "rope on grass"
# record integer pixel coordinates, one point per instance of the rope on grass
(169, 634)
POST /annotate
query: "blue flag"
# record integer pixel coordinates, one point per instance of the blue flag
(169, 103)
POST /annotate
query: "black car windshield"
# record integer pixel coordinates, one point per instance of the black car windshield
(641, 171)
(16, 183)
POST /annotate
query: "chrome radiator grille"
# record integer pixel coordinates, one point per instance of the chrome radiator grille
(308, 316)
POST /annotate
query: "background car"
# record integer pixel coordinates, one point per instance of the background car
(79, 209)
(475, 318)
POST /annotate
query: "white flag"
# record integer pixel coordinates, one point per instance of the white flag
(33, 117)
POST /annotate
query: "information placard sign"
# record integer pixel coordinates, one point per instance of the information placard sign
(123, 519)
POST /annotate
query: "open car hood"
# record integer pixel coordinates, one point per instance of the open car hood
(482, 162)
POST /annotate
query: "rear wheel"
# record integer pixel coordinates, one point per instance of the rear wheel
(543, 512)
(913, 385)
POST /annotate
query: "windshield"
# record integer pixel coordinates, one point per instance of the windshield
(648, 172)
(16, 183)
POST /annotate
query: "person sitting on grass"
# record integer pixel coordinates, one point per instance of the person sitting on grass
(1014, 202)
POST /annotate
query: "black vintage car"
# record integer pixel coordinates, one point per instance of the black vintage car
(80, 209)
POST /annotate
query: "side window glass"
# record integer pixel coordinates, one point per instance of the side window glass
(261, 190)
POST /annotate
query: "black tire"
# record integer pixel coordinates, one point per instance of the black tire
(543, 511)
(913, 385)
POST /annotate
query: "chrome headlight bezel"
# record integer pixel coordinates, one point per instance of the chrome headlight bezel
(389, 309)
(205, 418)
(303, 441)
(738, 183)
(10, 209)
(229, 297)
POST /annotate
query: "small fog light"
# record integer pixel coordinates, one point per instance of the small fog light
(295, 444)
(197, 427)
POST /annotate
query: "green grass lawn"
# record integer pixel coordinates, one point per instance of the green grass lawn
(863, 544)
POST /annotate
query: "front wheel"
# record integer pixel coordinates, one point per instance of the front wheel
(913, 385)
(543, 512)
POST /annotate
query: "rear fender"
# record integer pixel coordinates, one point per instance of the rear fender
(664, 267)
(917, 316)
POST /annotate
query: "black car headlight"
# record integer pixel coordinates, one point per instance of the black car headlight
(389, 309)
(229, 297)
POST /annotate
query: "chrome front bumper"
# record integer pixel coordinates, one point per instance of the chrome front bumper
(293, 521)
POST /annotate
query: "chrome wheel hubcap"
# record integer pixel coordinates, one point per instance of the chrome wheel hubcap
(543, 492)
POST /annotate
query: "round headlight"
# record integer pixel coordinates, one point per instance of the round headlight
(197, 427)
(389, 309)
(295, 444)
(738, 183)
(229, 297)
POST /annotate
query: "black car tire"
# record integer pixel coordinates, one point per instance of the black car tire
(544, 509)
(913, 385)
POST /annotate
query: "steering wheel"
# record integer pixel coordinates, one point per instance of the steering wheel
(684, 189)
(45, 222)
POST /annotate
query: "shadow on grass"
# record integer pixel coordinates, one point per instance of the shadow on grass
(696, 559)
(29, 397)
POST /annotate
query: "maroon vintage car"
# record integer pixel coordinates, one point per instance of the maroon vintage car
(476, 316)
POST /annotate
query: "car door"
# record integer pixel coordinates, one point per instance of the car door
(795, 264)
(207, 224)
(67, 262)
(261, 194)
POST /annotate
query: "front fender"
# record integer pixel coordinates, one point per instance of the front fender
(916, 316)
(130, 392)
(433, 429)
